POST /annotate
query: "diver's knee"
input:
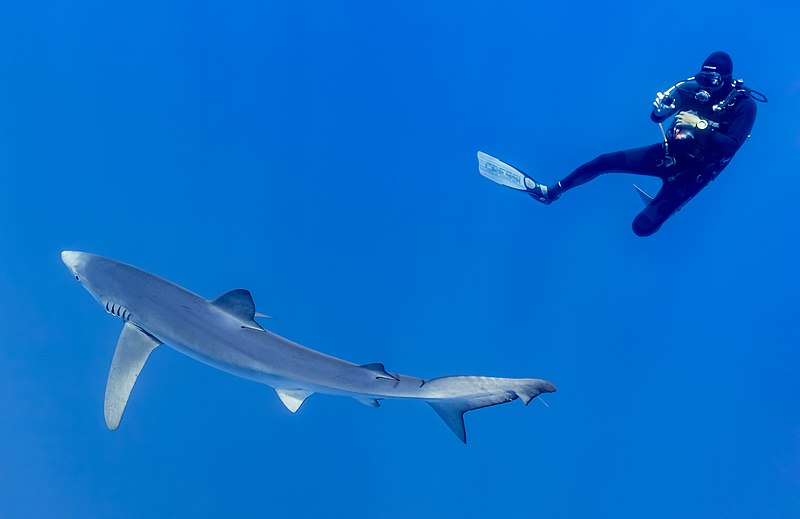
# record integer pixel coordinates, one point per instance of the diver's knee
(643, 226)
(610, 160)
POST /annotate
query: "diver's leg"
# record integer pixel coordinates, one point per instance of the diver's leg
(647, 160)
(672, 196)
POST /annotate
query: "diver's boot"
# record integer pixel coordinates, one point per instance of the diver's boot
(542, 193)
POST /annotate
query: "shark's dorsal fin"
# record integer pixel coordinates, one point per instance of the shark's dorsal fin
(379, 371)
(133, 348)
(238, 302)
(293, 398)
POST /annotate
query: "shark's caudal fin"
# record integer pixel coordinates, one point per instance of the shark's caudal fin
(470, 393)
(133, 348)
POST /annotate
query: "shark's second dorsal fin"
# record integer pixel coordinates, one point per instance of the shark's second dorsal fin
(238, 302)
(379, 371)
(133, 348)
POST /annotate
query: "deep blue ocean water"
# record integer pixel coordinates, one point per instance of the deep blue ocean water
(322, 155)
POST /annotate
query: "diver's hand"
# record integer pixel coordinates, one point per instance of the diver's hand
(686, 120)
(663, 103)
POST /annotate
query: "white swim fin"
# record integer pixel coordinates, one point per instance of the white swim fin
(498, 171)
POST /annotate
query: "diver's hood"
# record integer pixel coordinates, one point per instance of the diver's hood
(719, 62)
(716, 72)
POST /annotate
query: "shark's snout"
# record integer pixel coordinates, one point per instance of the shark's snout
(73, 260)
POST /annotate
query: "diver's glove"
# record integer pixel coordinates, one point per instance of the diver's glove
(663, 104)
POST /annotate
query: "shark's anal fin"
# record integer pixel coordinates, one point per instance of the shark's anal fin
(133, 348)
(377, 369)
(372, 402)
(293, 398)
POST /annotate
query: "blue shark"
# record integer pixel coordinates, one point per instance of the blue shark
(224, 334)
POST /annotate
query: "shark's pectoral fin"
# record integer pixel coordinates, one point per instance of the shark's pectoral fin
(293, 398)
(133, 348)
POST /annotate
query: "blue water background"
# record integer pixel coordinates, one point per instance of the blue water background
(322, 155)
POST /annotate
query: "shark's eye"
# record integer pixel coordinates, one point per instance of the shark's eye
(76, 277)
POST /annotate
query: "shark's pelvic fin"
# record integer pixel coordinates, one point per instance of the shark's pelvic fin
(379, 371)
(133, 348)
(238, 302)
(293, 398)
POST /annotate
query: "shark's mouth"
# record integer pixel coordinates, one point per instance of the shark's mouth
(118, 310)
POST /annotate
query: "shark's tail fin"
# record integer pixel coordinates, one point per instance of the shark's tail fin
(462, 394)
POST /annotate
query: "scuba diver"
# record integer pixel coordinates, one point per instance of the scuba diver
(713, 117)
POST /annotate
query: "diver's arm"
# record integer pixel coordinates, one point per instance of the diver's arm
(738, 131)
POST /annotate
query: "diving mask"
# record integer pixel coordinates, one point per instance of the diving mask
(710, 80)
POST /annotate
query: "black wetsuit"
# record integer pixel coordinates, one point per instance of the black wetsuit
(690, 164)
